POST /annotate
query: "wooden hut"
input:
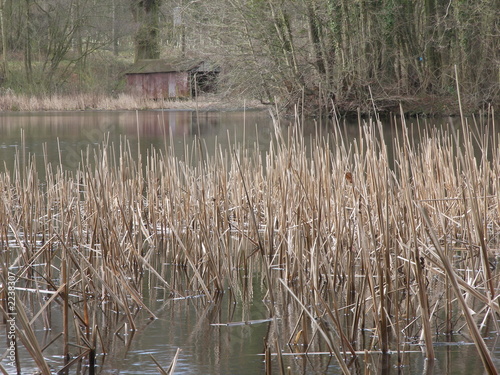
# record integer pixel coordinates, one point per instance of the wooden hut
(161, 78)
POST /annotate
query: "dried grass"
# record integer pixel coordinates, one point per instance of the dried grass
(10, 101)
(350, 238)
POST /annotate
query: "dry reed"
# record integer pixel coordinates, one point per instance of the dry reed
(350, 237)
(10, 101)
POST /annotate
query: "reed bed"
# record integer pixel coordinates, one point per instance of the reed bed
(10, 101)
(399, 240)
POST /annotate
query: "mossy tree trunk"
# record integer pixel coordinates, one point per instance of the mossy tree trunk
(147, 38)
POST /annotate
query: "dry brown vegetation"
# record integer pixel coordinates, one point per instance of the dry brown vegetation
(10, 101)
(389, 238)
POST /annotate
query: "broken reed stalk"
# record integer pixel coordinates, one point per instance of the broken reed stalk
(171, 368)
(331, 344)
(66, 312)
(448, 268)
(29, 340)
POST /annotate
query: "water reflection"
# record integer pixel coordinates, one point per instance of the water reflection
(62, 137)
(238, 349)
(67, 134)
(211, 346)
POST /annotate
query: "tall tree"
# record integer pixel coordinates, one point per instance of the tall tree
(3, 69)
(27, 43)
(147, 38)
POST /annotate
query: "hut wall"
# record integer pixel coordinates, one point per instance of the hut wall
(159, 85)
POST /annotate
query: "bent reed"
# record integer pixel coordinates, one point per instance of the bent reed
(399, 240)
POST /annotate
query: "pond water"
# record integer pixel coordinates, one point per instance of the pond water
(209, 345)
(63, 136)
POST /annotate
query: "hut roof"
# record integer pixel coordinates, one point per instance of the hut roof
(170, 65)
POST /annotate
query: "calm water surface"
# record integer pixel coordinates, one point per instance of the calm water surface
(207, 348)
(63, 136)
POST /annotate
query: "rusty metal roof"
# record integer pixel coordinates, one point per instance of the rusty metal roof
(170, 65)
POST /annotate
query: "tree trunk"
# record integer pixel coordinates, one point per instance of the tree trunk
(27, 45)
(432, 59)
(315, 39)
(3, 69)
(147, 37)
(114, 34)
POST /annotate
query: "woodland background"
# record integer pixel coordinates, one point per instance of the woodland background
(316, 52)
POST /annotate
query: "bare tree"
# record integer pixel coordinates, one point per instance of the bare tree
(288, 51)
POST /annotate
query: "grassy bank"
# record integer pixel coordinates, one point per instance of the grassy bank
(426, 106)
(399, 240)
(80, 102)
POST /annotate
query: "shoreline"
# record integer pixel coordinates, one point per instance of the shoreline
(434, 106)
(94, 102)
